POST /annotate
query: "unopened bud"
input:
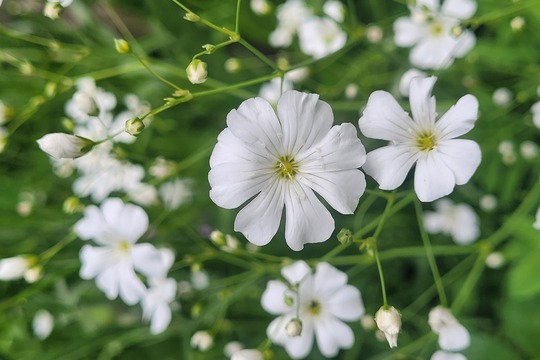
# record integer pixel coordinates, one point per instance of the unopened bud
(192, 17)
(388, 320)
(134, 126)
(218, 238)
(72, 205)
(294, 327)
(122, 46)
(53, 10)
(345, 236)
(196, 71)
(209, 48)
(65, 146)
(202, 340)
(457, 30)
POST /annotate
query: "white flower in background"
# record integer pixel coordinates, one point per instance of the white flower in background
(388, 320)
(405, 80)
(161, 168)
(434, 32)
(488, 202)
(14, 268)
(374, 34)
(90, 101)
(536, 224)
(158, 297)
(457, 220)
(290, 16)
(320, 37)
(495, 260)
(65, 146)
(199, 279)
(175, 193)
(441, 160)
(335, 10)
(202, 340)
(247, 354)
(452, 335)
(322, 302)
(272, 90)
(135, 108)
(42, 324)
(444, 355)
(502, 97)
(536, 114)
(116, 227)
(279, 161)
(529, 150)
(506, 149)
(196, 71)
(232, 347)
(260, 7)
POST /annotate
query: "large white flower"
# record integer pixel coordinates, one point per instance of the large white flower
(434, 32)
(452, 335)
(322, 300)
(279, 161)
(458, 220)
(116, 227)
(441, 160)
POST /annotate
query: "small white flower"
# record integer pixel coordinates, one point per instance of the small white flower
(196, 71)
(431, 31)
(389, 322)
(90, 101)
(290, 15)
(323, 300)
(272, 90)
(457, 220)
(335, 10)
(495, 260)
(116, 227)
(65, 146)
(529, 150)
(368, 322)
(199, 279)
(452, 335)
(202, 340)
(517, 23)
(247, 354)
(441, 160)
(232, 347)
(281, 160)
(175, 193)
(351, 91)
(444, 355)
(502, 97)
(374, 34)
(320, 37)
(14, 268)
(143, 194)
(42, 324)
(405, 80)
(488, 202)
(260, 7)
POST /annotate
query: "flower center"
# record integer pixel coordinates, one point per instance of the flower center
(426, 141)
(286, 167)
(437, 28)
(124, 247)
(314, 307)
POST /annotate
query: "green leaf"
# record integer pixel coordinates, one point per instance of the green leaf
(523, 281)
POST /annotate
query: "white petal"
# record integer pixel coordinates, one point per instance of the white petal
(305, 120)
(433, 53)
(108, 282)
(433, 222)
(332, 335)
(255, 123)
(259, 220)
(384, 119)
(273, 298)
(461, 156)
(454, 337)
(466, 228)
(160, 319)
(459, 119)
(92, 225)
(296, 272)
(128, 220)
(464, 43)
(131, 287)
(408, 32)
(390, 165)
(328, 279)
(422, 103)
(459, 9)
(307, 220)
(94, 260)
(148, 260)
(443, 355)
(346, 304)
(432, 178)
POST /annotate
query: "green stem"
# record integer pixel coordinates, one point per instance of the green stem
(384, 216)
(55, 249)
(259, 54)
(381, 276)
(430, 255)
(469, 283)
(237, 24)
(156, 75)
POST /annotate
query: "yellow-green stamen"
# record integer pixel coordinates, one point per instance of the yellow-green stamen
(426, 141)
(314, 307)
(286, 167)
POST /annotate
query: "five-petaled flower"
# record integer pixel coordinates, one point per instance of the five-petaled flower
(441, 160)
(279, 161)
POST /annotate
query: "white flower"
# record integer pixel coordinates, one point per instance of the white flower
(488, 202)
(65, 146)
(435, 32)
(536, 224)
(389, 322)
(271, 91)
(161, 293)
(281, 159)
(290, 15)
(536, 114)
(247, 354)
(199, 279)
(405, 80)
(90, 101)
(322, 302)
(116, 227)
(320, 37)
(443, 355)
(335, 10)
(15, 267)
(457, 220)
(529, 150)
(196, 71)
(452, 335)
(260, 7)
(502, 97)
(143, 194)
(441, 161)
(42, 324)
(175, 193)
(232, 347)
(202, 340)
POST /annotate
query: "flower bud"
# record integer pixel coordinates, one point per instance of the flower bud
(42, 324)
(209, 48)
(134, 126)
(122, 46)
(14, 268)
(192, 17)
(345, 236)
(65, 146)
(247, 354)
(33, 274)
(53, 10)
(217, 237)
(294, 327)
(388, 320)
(196, 71)
(202, 340)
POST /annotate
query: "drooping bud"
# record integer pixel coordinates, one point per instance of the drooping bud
(53, 10)
(388, 320)
(122, 46)
(196, 71)
(345, 236)
(134, 126)
(13, 268)
(202, 340)
(65, 146)
(294, 327)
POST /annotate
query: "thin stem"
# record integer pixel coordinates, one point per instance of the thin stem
(259, 54)
(159, 77)
(430, 255)
(237, 25)
(55, 249)
(469, 283)
(376, 251)
(381, 276)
